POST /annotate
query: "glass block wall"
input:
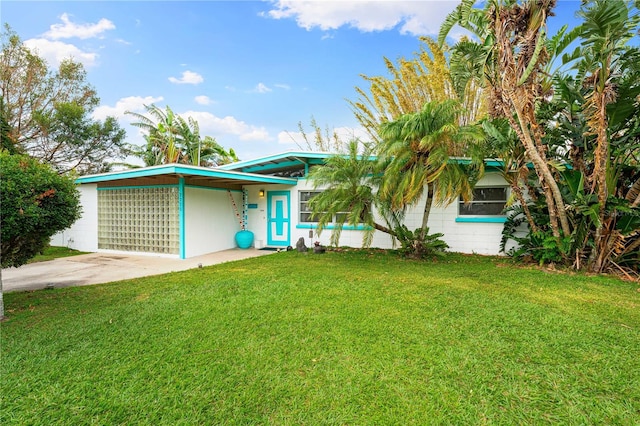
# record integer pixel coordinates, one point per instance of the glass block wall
(139, 219)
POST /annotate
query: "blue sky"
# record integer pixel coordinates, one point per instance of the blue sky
(248, 71)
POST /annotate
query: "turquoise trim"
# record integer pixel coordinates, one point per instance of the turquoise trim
(479, 219)
(491, 163)
(290, 158)
(344, 227)
(185, 170)
(111, 188)
(252, 206)
(181, 226)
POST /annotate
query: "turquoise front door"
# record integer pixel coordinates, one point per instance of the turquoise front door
(278, 219)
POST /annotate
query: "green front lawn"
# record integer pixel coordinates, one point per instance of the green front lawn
(54, 252)
(341, 338)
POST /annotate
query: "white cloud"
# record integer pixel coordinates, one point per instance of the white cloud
(55, 51)
(131, 103)
(283, 86)
(262, 88)
(291, 138)
(203, 100)
(214, 126)
(69, 29)
(188, 77)
(413, 17)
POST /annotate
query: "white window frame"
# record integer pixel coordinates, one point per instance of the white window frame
(307, 211)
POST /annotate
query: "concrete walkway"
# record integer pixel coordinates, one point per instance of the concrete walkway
(97, 268)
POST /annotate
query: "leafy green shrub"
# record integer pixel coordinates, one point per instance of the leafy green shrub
(36, 202)
(419, 244)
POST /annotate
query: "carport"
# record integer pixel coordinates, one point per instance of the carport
(169, 210)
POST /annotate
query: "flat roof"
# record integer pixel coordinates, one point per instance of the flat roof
(279, 163)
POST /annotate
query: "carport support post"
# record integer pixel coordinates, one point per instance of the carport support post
(181, 217)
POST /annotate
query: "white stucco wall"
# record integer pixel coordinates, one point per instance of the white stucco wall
(464, 237)
(83, 234)
(210, 221)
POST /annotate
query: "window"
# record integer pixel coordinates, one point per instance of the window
(487, 201)
(305, 210)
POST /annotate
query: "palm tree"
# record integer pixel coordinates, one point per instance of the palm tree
(350, 195)
(606, 29)
(416, 153)
(200, 151)
(172, 139)
(413, 82)
(510, 56)
(162, 128)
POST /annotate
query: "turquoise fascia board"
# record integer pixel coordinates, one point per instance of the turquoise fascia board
(258, 164)
(111, 188)
(185, 171)
(481, 219)
(344, 227)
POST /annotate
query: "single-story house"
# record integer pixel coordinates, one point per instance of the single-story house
(185, 211)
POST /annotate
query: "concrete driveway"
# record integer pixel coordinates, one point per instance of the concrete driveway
(97, 268)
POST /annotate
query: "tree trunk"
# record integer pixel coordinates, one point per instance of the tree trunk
(384, 229)
(427, 210)
(555, 202)
(634, 191)
(599, 183)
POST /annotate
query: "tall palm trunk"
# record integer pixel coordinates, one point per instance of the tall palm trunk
(426, 211)
(554, 200)
(599, 181)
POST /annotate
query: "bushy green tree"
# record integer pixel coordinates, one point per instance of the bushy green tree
(35, 203)
(47, 112)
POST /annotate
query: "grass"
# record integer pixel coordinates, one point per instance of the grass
(53, 252)
(341, 338)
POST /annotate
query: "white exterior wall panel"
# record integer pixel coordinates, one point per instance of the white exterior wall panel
(83, 234)
(464, 237)
(210, 220)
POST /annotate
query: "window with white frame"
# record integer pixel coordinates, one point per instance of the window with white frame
(306, 215)
(305, 210)
(487, 201)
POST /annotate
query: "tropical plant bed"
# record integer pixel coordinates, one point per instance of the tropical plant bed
(351, 337)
